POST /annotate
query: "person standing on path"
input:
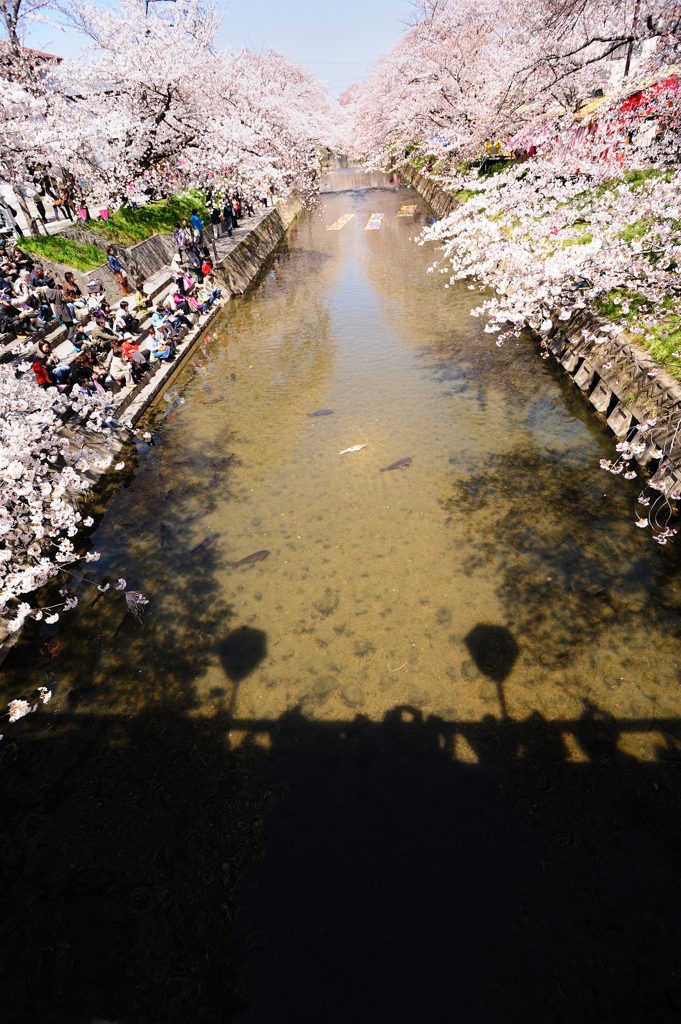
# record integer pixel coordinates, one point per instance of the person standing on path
(197, 224)
(40, 207)
(216, 222)
(227, 214)
(119, 272)
(180, 240)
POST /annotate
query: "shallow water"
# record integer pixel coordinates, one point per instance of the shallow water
(498, 577)
(458, 584)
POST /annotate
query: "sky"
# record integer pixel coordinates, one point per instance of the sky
(337, 40)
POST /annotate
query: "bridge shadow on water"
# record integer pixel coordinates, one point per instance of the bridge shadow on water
(177, 868)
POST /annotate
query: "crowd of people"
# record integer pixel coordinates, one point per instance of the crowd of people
(110, 347)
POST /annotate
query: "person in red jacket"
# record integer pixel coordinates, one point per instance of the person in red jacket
(46, 369)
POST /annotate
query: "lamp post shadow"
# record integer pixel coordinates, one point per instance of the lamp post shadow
(495, 651)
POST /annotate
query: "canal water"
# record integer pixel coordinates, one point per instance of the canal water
(418, 757)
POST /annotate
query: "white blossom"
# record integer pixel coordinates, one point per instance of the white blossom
(19, 708)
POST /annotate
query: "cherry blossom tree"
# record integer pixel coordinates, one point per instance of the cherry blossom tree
(470, 70)
(154, 101)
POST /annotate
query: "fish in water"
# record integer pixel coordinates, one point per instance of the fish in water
(321, 412)
(355, 448)
(169, 495)
(164, 531)
(203, 511)
(206, 543)
(400, 464)
(63, 707)
(257, 556)
(224, 462)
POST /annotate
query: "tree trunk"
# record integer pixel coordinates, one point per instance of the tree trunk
(630, 51)
(31, 221)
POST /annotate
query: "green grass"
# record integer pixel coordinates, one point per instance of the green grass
(584, 239)
(127, 226)
(636, 230)
(464, 194)
(65, 250)
(661, 339)
(491, 166)
(638, 178)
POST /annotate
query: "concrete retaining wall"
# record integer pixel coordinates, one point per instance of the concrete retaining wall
(245, 261)
(441, 203)
(144, 259)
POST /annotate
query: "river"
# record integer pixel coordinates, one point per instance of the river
(424, 750)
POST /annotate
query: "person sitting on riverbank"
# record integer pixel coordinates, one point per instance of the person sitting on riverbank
(142, 301)
(124, 320)
(18, 321)
(47, 368)
(21, 288)
(119, 367)
(21, 260)
(176, 302)
(73, 294)
(37, 278)
(80, 338)
(183, 283)
(208, 294)
(85, 371)
(161, 346)
(138, 358)
(102, 337)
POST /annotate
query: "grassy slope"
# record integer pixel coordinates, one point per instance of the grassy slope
(124, 227)
(127, 226)
(65, 250)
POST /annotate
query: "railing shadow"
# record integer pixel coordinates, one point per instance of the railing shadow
(412, 867)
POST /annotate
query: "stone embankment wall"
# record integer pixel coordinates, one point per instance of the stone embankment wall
(243, 264)
(612, 373)
(440, 202)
